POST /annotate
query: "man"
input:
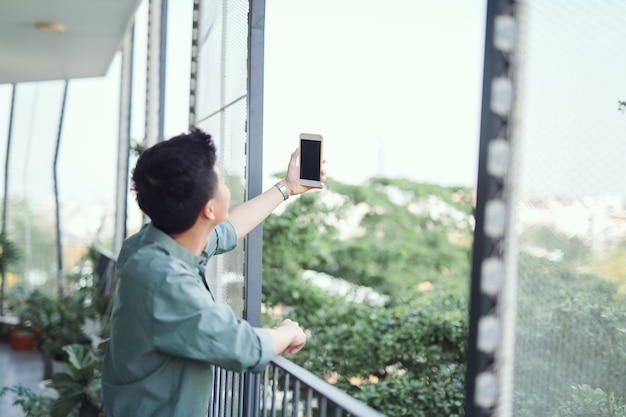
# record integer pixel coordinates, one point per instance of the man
(167, 331)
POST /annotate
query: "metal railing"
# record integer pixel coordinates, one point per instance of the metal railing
(283, 389)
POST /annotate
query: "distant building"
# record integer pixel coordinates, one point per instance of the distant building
(600, 221)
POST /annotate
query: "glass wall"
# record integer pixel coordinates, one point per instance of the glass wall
(85, 159)
(221, 110)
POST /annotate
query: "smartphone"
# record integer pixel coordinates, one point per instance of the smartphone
(311, 157)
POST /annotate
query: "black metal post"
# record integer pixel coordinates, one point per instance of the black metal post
(60, 278)
(5, 205)
(488, 188)
(193, 71)
(162, 70)
(255, 157)
(254, 253)
(123, 153)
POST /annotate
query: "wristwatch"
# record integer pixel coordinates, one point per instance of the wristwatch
(282, 189)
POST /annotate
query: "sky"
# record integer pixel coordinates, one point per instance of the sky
(573, 74)
(394, 87)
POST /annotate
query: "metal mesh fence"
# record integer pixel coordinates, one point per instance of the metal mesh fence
(568, 225)
(549, 287)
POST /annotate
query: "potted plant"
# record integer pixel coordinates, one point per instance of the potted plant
(78, 388)
(9, 253)
(22, 338)
(76, 392)
(9, 256)
(56, 321)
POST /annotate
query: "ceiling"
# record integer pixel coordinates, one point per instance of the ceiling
(93, 32)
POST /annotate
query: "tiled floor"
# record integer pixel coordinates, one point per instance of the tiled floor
(17, 367)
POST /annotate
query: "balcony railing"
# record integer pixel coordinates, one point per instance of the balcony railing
(283, 389)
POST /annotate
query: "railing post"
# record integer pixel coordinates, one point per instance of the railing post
(251, 397)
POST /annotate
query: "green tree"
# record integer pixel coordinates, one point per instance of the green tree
(570, 332)
(33, 234)
(395, 246)
(571, 249)
(409, 354)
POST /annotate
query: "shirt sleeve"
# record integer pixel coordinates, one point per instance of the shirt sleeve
(188, 323)
(226, 237)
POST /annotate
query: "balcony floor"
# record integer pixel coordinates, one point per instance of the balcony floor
(17, 367)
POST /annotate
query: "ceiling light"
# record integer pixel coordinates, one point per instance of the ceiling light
(51, 26)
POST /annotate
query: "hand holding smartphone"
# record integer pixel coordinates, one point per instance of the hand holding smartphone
(311, 157)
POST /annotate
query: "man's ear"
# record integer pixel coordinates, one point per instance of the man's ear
(208, 210)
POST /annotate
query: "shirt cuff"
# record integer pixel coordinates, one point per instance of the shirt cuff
(268, 351)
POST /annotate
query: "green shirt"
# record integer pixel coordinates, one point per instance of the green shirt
(167, 331)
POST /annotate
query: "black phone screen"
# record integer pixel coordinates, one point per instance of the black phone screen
(310, 159)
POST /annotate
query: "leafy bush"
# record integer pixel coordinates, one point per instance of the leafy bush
(395, 246)
(570, 333)
(587, 402)
(407, 396)
(413, 351)
(79, 388)
(9, 253)
(408, 357)
(30, 402)
(57, 320)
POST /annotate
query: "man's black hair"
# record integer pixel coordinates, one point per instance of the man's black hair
(174, 179)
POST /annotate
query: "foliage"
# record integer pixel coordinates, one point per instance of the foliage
(418, 245)
(408, 396)
(413, 351)
(32, 404)
(28, 225)
(457, 197)
(570, 332)
(9, 257)
(292, 232)
(57, 321)
(586, 401)
(412, 242)
(79, 388)
(14, 298)
(571, 249)
(612, 265)
(409, 354)
(85, 278)
(9, 252)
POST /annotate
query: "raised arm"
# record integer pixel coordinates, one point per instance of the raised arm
(251, 213)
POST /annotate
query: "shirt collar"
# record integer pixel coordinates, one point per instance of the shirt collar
(171, 246)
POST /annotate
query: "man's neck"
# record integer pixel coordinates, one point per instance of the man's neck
(194, 239)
